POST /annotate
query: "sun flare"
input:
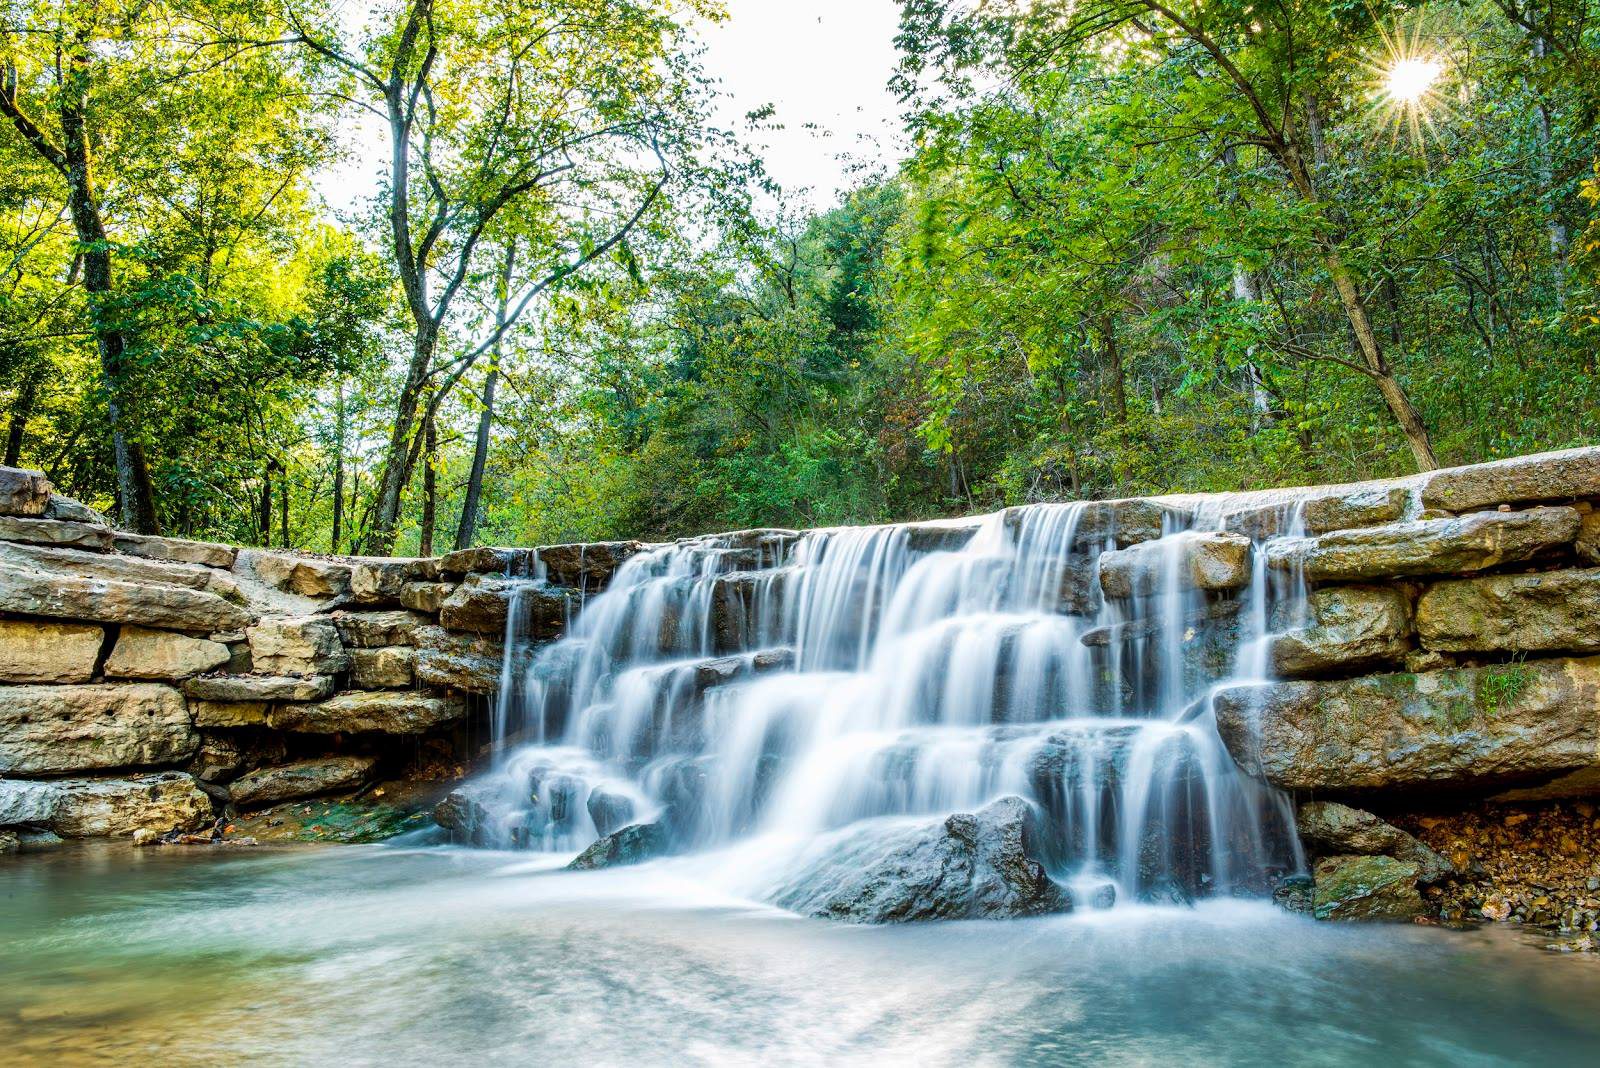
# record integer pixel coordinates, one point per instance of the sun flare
(1410, 79)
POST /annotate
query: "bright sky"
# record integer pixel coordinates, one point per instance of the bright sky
(825, 63)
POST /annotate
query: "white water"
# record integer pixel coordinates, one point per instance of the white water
(768, 693)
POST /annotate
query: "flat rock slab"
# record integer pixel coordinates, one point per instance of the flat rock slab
(305, 778)
(1551, 476)
(26, 591)
(1366, 889)
(177, 550)
(1206, 561)
(371, 630)
(386, 712)
(1366, 507)
(304, 576)
(105, 808)
(1552, 611)
(142, 653)
(1428, 546)
(389, 667)
(1536, 723)
(300, 645)
(259, 687)
(37, 651)
(54, 532)
(83, 564)
(57, 730)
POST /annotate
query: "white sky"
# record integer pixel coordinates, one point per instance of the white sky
(820, 62)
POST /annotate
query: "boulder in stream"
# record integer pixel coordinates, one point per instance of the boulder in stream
(634, 844)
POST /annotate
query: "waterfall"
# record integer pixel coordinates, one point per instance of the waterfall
(783, 687)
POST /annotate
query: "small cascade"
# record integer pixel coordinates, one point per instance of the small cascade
(787, 687)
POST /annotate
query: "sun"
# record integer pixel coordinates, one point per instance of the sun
(1410, 79)
(1406, 78)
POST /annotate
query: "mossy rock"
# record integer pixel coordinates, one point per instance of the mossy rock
(1366, 888)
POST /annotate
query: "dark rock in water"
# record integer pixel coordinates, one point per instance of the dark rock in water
(1366, 888)
(634, 844)
(1167, 891)
(1294, 894)
(609, 811)
(465, 819)
(981, 865)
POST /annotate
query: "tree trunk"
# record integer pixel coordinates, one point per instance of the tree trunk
(396, 472)
(338, 466)
(471, 507)
(264, 510)
(1115, 378)
(430, 485)
(21, 410)
(1555, 229)
(283, 505)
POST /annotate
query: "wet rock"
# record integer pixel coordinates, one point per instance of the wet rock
(1140, 520)
(736, 602)
(1551, 476)
(1352, 628)
(23, 492)
(1332, 828)
(385, 711)
(141, 653)
(634, 844)
(482, 602)
(369, 630)
(27, 591)
(1295, 893)
(178, 550)
(467, 821)
(245, 688)
(52, 532)
(426, 597)
(103, 808)
(981, 865)
(54, 730)
(305, 576)
(1428, 546)
(1206, 561)
(588, 567)
(10, 843)
(1366, 888)
(608, 811)
(486, 560)
(457, 661)
(1553, 611)
(1535, 724)
(939, 537)
(1366, 507)
(33, 651)
(305, 645)
(305, 778)
(381, 669)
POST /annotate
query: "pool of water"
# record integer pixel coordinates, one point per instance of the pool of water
(389, 956)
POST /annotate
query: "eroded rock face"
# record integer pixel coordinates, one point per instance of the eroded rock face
(381, 669)
(57, 730)
(1535, 723)
(981, 865)
(455, 661)
(229, 713)
(304, 778)
(1553, 611)
(307, 576)
(587, 567)
(1429, 546)
(23, 492)
(237, 688)
(1551, 476)
(1208, 561)
(1588, 544)
(370, 630)
(105, 808)
(1366, 888)
(33, 651)
(1332, 828)
(426, 597)
(482, 602)
(53, 532)
(485, 559)
(305, 645)
(141, 653)
(376, 580)
(633, 844)
(152, 547)
(1366, 507)
(27, 591)
(1352, 628)
(387, 712)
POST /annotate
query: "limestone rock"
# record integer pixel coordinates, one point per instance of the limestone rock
(1553, 611)
(1589, 537)
(370, 630)
(26, 591)
(1339, 829)
(301, 645)
(386, 711)
(141, 653)
(122, 568)
(1428, 546)
(178, 550)
(52, 532)
(230, 713)
(259, 687)
(1551, 476)
(102, 808)
(1536, 723)
(54, 730)
(307, 576)
(982, 865)
(36, 651)
(1207, 561)
(483, 559)
(385, 668)
(457, 661)
(633, 844)
(589, 567)
(68, 510)
(375, 580)
(305, 778)
(23, 492)
(482, 602)
(424, 569)
(1366, 888)
(1352, 628)
(426, 597)
(1366, 507)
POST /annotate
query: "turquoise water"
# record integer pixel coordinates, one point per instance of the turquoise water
(388, 956)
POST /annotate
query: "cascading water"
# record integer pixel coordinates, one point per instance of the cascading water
(773, 689)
